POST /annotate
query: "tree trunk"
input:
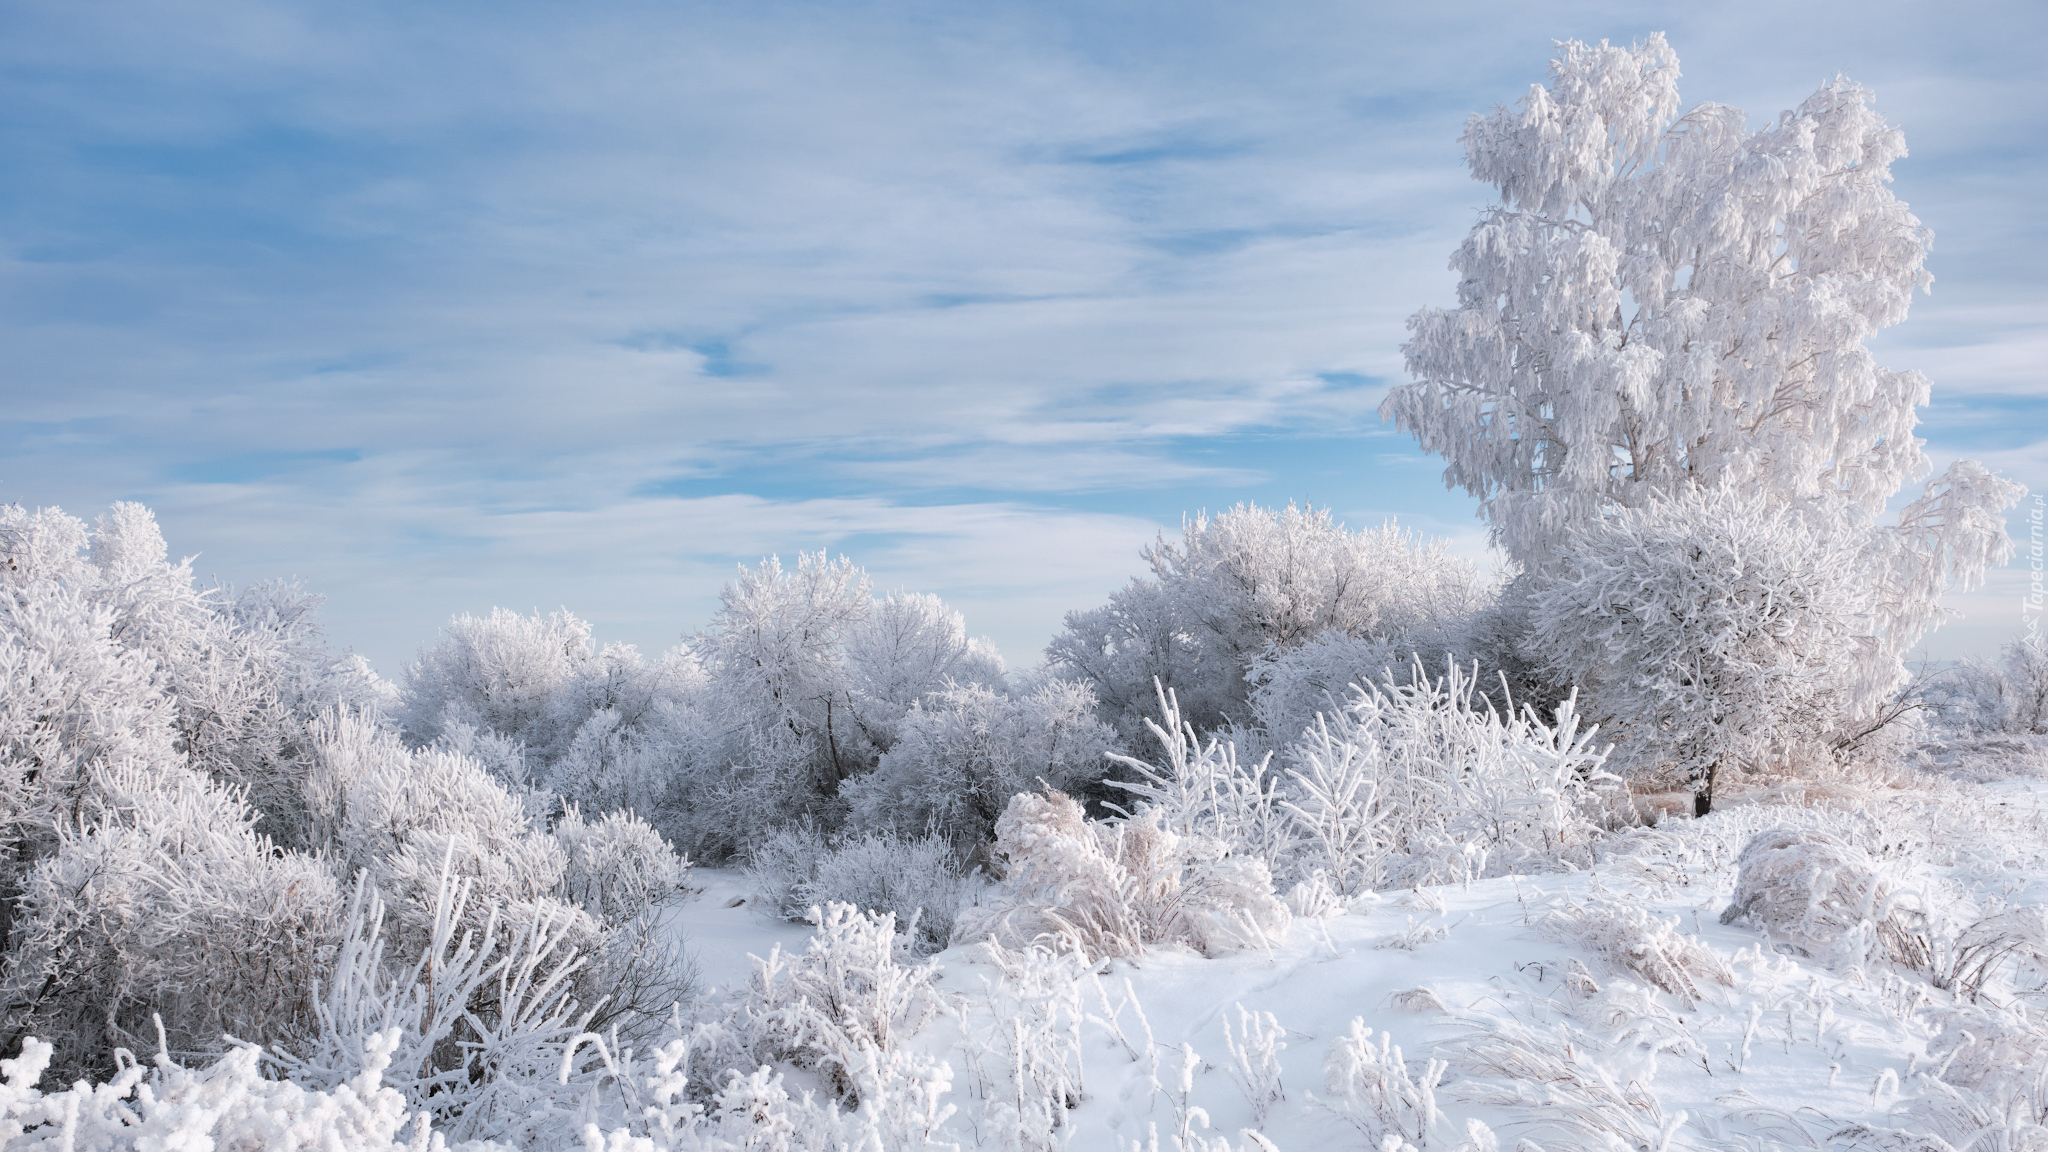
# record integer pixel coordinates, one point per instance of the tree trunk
(1703, 793)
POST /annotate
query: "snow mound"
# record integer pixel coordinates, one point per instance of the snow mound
(1814, 892)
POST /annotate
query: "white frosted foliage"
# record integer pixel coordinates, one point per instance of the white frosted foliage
(1665, 300)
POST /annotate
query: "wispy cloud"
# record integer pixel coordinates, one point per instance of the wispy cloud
(439, 307)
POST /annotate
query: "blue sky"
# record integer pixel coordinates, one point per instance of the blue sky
(545, 304)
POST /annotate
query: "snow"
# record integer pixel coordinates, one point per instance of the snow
(1789, 1045)
(719, 935)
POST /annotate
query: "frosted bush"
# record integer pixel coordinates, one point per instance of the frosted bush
(1424, 782)
(1643, 945)
(499, 673)
(484, 1019)
(844, 997)
(402, 816)
(1371, 1086)
(778, 865)
(619, 872)
(618, 867)
(1712, 630)
(962, 752)
(165, 901)
(1814, 891)
(237, 675)
(609, 766)
(916, 879)
(1112, 888)
(2007, 697)
(1240, 589)
(229, 1105)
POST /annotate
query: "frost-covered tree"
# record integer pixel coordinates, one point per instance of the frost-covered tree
(965, 751)
(911, 645)
(1664, 302)
(502, 673)
(153, 744)
(1709, 631)
(2007, 696)
(1247, 586)
(777, 648)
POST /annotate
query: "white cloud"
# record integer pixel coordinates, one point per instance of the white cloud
(950, 282)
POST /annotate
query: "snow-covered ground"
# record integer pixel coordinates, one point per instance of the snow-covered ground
(720, 929)
(1541, 994)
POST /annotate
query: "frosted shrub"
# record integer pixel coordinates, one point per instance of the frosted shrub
(1240, 589)
(1641, 944)
(845, 997)
(217, 681)
(1202, 790)
(1372, 1087)
(1291, 687)
(917, 880)
(227, 1105)
(165, 901)
(1112, 888)
(1714, 630)
(963, 751)
(403, 812)
(619, 871)
(619, 867)
(2009, 697)
(610, 766)
(778, 865)
(483, 1018)
(1814, 891)
(403, 817)
(1423, 782)
(499, 673)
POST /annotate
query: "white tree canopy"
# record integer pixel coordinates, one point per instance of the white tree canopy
(1663, 301)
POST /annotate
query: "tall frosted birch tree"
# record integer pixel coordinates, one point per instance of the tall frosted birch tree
(1664, 302)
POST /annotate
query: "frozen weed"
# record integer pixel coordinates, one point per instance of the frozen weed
(1414, 937)
(1416, 1000)
(1631, 939)
(1815, 892)
(1255, 1058)
(846, 995)
(1554, 1077)
(1113, 888)
(1032, 1033)
(1371, 1086)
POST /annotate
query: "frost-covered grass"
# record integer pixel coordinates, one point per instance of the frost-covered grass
(1608, 1007)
